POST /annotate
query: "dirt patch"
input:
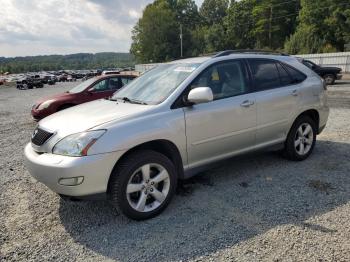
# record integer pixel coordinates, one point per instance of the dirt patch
(321, 186)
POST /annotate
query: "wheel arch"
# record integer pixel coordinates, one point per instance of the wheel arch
(163, 146)
(313, 114)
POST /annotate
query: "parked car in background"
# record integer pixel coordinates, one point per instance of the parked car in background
(70, 78)
(89, 90)
(173, 121)
(52, 80)
(30, 82)
(89, 75)
(62, 78)
(329, 73)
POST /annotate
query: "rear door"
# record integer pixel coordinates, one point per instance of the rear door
(277, 98)
(226, 125)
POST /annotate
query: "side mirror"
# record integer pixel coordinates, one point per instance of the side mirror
(200, 95)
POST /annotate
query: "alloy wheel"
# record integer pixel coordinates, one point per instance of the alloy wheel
(303, 139)
(148, 187)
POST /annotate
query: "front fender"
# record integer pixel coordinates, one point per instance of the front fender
(127, 134)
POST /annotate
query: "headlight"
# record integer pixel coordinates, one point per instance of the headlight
(45, 104)
(77, 144)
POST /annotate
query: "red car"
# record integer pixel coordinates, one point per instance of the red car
(89, 90)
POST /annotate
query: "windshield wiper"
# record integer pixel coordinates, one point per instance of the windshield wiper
(111, 98)
(132, 101)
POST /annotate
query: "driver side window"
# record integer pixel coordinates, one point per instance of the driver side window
(225, 79)
(101, 86)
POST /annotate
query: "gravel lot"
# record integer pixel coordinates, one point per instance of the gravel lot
(251, 208)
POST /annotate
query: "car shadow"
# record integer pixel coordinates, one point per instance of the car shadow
(242, 198)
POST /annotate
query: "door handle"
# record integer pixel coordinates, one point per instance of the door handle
(295, 92)
(247, 103)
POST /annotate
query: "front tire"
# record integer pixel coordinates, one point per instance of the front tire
(301, 139)
(142, 184)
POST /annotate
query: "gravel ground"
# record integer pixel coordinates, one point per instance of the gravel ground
(259, 207)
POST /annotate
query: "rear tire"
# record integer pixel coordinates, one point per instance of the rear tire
(142, 185)
(301, 139)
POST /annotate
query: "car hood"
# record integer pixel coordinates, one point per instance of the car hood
(89, 115)
(61, 96)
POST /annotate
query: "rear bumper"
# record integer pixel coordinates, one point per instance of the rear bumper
(50, 169)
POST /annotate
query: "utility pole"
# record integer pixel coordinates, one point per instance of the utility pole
(181, 39)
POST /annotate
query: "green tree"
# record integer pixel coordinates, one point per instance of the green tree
(324, 26)
(239, 25)
(212, 13)
(156, 36)
(273, 22)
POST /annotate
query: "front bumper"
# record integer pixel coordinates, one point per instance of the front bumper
(49, 169)
(339, 76)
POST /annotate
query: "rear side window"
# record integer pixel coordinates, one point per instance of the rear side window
(297, 77)
(265, 74)
(285, 78)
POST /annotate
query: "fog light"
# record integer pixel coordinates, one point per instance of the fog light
(71, 181)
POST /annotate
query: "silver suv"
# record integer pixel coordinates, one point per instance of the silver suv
(175, 120)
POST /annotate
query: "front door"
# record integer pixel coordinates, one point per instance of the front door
(226, 125)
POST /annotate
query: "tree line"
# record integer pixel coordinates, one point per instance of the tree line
(69, 62)
(292, 26)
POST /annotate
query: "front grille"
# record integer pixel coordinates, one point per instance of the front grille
(40, 136)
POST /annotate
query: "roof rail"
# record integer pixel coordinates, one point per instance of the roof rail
(248, 51)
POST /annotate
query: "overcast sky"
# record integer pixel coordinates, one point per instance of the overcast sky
(36, 27)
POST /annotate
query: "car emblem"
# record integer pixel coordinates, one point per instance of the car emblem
(34, 133)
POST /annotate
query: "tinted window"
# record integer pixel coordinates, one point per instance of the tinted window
(265, 74)
(113, 83)
(297, 77)
(284, 76)
(225, 79)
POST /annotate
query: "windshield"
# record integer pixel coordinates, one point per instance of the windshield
(157, 84)
(82, 86)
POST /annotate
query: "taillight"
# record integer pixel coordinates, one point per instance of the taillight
(324, 84)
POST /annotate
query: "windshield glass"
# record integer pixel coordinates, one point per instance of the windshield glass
(82, 86)
(157, 84)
